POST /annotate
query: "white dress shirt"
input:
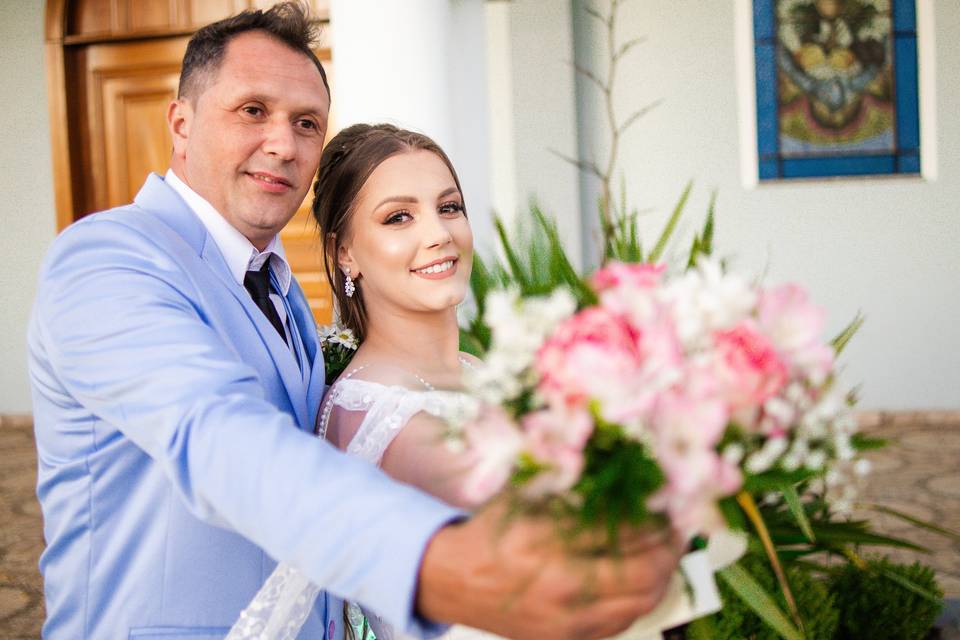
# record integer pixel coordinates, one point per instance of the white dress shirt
(237, 250)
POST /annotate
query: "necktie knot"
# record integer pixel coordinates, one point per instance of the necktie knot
(258, 284)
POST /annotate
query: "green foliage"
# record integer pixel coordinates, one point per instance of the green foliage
(618, 475)
(879, 604)
(737, 621)
(703, 241)
(534, 262)
(861, 442)
(840, 342)
(671, 225)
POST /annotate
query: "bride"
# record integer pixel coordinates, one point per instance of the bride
(398, 249)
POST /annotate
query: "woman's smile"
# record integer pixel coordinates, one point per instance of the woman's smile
(438, 269)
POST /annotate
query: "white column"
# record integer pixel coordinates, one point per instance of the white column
(421, 65)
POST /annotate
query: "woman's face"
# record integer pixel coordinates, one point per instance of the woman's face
(408, 239)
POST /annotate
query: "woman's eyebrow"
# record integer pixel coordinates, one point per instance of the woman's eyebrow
(404, 199)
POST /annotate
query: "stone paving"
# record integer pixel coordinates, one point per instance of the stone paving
(919, 474)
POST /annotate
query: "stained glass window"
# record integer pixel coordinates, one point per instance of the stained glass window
(837, 88)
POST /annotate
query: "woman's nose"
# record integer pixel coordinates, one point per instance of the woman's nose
(438, 233)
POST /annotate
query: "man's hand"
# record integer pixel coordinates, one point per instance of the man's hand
(514, 576)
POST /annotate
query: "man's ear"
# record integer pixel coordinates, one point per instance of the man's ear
(179, 119)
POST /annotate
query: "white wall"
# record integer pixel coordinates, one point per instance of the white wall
(420, 65)
(888, 247)
(539, 79)
(27, 215)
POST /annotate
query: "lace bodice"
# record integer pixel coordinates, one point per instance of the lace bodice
(387, 409)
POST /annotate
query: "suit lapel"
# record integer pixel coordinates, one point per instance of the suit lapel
(307, 327)
(280, 353)
(162, 201)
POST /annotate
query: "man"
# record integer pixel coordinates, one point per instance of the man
(176, 377)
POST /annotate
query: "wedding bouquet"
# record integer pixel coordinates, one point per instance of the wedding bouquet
(642, 394)
(663, 397)
(687, 396)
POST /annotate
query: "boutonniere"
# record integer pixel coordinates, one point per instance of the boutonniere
(338, 345)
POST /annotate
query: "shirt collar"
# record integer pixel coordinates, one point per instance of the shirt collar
(240, 254)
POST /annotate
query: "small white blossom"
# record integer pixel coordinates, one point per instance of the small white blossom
(345, 338)
(816, 460)
(862, 467)
(733, 453)
(758, 462)
(790, 462)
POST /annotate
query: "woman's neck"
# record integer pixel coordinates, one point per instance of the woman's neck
(428, 343)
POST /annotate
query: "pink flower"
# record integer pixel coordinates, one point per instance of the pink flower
(684, 426)
(556, 438)
(687, 431)
(619, 274)
(630, 289)
(495, 443)
(795, 326)
(748, 367)
(586, 352)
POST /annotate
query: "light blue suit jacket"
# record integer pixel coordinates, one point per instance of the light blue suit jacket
(176, 455)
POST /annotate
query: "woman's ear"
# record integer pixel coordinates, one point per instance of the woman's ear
(346, 262)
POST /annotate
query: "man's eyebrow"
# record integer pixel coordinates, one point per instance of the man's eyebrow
(307, 109)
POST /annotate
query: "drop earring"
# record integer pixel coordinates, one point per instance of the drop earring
(348, 286)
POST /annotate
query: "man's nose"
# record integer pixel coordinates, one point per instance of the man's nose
(279, 140)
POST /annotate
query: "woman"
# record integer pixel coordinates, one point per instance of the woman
(398, 251)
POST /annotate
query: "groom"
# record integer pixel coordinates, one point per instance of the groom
(176, 376)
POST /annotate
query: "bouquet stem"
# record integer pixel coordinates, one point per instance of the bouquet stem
(749, 507)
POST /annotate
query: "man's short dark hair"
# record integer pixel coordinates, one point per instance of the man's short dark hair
(288, 22)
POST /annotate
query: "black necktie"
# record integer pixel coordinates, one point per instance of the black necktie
(258, 284)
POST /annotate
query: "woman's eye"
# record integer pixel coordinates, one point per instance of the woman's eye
(398, 217)
(451, 208)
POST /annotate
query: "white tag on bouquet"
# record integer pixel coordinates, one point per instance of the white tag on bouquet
(693, 591)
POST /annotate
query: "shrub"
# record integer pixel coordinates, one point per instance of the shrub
(737, 621)
(876, 607)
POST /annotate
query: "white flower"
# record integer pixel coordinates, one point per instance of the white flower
(345, 338)
(862, 467)
(790, 462)
(706, 300)
(834, 478)
(758, 462)
(733, 453)
(816, 460)
(326, 331)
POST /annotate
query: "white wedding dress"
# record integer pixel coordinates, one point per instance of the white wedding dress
(283, 603)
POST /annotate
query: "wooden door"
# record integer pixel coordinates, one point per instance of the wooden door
(127, 88)
(112, 77)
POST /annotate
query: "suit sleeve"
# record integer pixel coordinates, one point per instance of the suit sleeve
(126, 336)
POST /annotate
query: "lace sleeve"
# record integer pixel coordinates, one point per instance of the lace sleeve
(389, 407)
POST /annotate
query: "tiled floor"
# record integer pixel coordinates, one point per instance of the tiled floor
(919, 474)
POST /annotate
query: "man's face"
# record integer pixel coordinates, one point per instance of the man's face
(249, 143)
